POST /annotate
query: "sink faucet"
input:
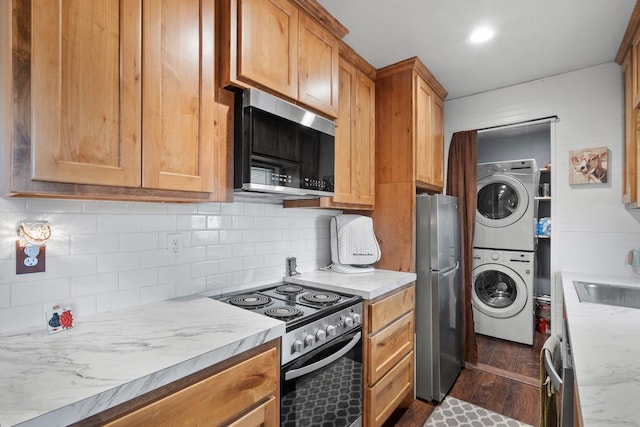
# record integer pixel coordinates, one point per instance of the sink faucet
(292, 263)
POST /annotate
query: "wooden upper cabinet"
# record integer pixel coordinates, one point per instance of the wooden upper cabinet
(629, 174)
(318, 66)
(275, 46)
(410, 126)
(355, 138)
(628, 57)
(123, 98)
(85, 95)
(267, 45)
(178, 104)
(429, 121)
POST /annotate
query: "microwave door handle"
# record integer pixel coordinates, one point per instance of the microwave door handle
(295, 373)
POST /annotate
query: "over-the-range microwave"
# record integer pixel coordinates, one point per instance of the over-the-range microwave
(281, 148)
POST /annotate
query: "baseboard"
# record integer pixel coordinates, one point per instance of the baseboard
(503, 373)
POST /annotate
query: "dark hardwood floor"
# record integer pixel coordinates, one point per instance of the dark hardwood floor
(505, 380)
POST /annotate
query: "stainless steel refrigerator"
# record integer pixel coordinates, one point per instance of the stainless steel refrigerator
(438, 304)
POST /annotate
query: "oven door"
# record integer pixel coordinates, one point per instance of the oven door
(324, 387)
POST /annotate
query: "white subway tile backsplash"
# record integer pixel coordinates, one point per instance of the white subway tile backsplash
(137, 278)
(191, 222)
(172, 273)
(118, 261)
(229, 237)
(22, 317)
(53, 205)
(117, 300)
(5, 296)
(206, 268)
(40, 291)
(158, 223)
(78, 264)
(110, 255)
(205, 237)
(244, 222)
(157, 293)
(139, 241)
(192, 286)
(94, 243)
(118, 223)
(94, 284)
(219, 222)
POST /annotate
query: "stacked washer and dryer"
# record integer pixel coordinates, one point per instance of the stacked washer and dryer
(504, 250)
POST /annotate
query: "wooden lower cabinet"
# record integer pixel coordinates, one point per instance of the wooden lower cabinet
(245, 392)
(389, 393)
(388, 354)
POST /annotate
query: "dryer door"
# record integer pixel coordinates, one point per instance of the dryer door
(502, 200)
(498, 291)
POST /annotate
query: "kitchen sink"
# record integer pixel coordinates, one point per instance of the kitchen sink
(600, 293)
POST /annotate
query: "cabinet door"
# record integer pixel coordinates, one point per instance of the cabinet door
(429, 137)
(86, 92)
(179, 103)
(389, 393)
(629, 174)
(318, 73)
(267, 44)
(355, 138)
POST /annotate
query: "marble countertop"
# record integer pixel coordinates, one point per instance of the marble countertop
(110, 358)
(367, 285)
(605, 342)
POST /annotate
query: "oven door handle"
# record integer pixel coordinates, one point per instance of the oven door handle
(295, 373)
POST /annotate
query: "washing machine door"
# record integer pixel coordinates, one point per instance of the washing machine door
(502, 200)
(498, 291)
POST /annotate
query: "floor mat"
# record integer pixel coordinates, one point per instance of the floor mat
(452, 412)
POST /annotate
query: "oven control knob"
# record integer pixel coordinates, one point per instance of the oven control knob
(321, 335)
(357, 318)
(297, 346)
(331, 330)
(348, 321)
(309, 340)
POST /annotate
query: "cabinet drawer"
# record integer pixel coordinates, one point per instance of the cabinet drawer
(264, 415)
(382, 312)
(389, 346)
(216, 399)
(389, 392)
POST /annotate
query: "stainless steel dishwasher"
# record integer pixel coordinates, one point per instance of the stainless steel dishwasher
(563, 382)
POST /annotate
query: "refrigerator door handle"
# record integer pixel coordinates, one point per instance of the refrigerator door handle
(450, 270)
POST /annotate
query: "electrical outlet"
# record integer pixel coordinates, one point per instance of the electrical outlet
(174, 244)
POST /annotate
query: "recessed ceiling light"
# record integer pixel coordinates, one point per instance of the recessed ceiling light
(481, 35)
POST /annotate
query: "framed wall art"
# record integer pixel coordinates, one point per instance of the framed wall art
(588, 166)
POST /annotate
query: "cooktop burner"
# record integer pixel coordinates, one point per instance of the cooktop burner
(292, 303)
(283, 313)
(289, 289)
(321, 298)
(250, 301)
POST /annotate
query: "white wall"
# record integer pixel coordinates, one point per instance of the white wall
(110, 255)
(592, 231)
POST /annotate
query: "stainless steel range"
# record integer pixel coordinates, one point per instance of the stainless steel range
(321, 374)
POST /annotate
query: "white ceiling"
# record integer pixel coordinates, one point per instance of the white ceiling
(537, 38)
